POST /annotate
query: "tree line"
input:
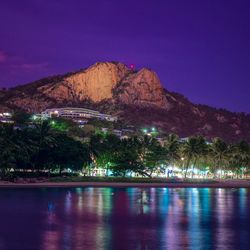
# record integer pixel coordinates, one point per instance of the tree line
(44, 147)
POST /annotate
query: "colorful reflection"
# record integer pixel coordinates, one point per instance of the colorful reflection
(125, 218)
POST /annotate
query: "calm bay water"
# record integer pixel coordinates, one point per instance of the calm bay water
(124, 218)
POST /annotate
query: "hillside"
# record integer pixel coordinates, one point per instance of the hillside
(137, 97)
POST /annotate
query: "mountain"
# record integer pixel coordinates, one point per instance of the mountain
(137, 97)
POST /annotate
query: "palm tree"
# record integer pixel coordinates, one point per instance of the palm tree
(172, 146)
(192, 150)
(202, 150)
(219, 153)
(240, 157)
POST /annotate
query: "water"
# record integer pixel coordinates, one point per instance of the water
(124, 218)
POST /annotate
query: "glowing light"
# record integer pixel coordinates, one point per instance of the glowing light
(132, 66)
(219, 171)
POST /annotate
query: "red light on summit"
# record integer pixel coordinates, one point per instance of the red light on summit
(132, 66)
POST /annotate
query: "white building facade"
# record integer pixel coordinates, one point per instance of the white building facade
(77, 114)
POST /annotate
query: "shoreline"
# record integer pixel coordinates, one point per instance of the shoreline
(218, 184)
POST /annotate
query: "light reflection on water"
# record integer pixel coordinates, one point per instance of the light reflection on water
(124, 218)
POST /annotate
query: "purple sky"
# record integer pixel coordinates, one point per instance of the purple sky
(200, 48)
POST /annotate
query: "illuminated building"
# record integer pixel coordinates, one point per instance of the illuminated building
(6, 117)
(77, 114)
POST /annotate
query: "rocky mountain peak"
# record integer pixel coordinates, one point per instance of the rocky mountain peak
(100, 81)
(103, 81)
(142, 88)
(94, 83)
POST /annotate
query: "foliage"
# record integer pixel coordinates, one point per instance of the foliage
(20, 118)
(39, 148)
(46, 147)
(193, 150)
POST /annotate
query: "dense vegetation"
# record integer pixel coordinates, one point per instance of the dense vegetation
(56, 146)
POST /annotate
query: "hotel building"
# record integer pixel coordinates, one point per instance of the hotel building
(77, 114)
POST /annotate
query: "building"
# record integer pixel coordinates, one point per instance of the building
(78, 114)
(6, 117)
(117, 132)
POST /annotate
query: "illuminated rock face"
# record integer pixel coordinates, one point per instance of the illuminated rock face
(102, 81)
(142, 88)
(95, 83)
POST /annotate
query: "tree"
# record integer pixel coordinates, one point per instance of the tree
(193, 149)
(153, 155)
(43, 140)
(7, 149)
(103, 147)
(14, 149)
(202, 151)
(69, 154)
(139, 155)
(239, 157)
(126, 158)
(88, 130)
(218, 155)
(21, 118)
(172, 146)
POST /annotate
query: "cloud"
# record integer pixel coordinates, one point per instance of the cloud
(3, 57)
(30, 67)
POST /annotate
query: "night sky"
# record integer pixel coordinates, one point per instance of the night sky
(200, 48)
